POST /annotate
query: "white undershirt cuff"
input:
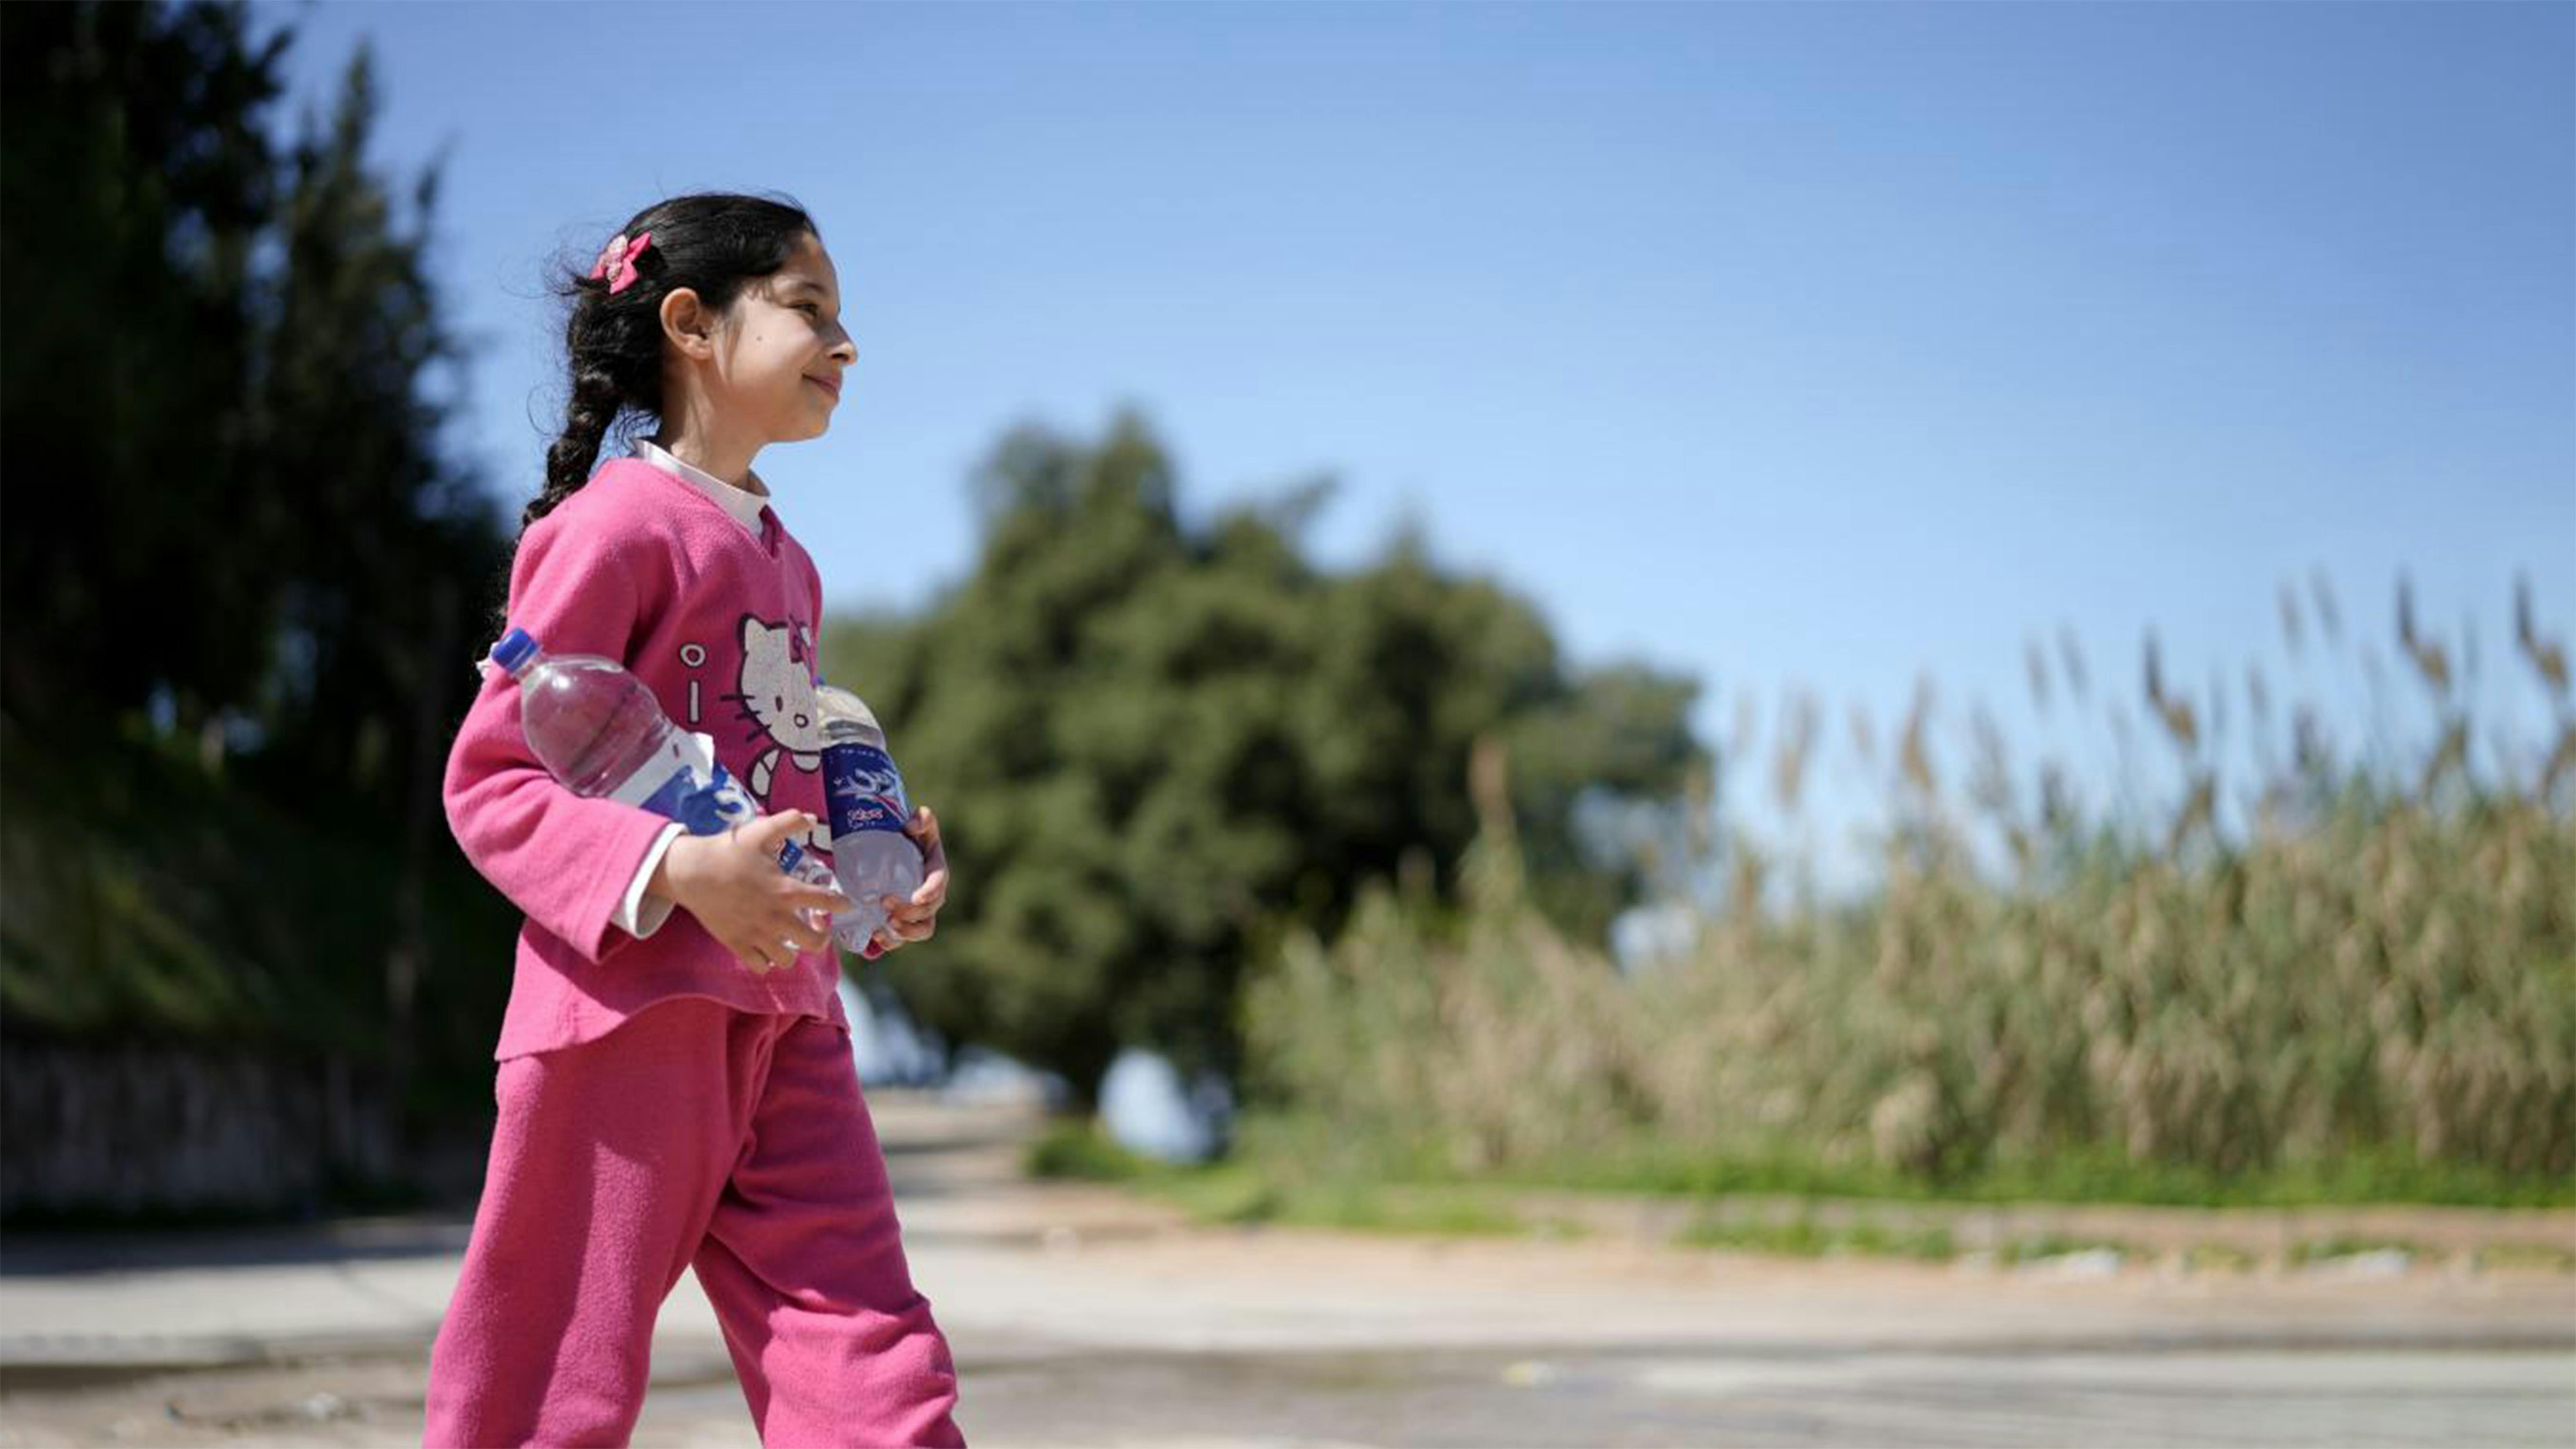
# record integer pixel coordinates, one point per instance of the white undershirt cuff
(642, 913)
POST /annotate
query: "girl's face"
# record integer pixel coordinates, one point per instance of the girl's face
(779, 356)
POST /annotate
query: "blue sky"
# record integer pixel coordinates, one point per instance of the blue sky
(1817, 345)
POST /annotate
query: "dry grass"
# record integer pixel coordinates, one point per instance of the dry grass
(2372, 993)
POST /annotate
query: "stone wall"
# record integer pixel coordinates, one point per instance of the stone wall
(153, 1128)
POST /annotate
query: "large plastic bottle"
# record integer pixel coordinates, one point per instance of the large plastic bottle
(600, 731)
(863, 793)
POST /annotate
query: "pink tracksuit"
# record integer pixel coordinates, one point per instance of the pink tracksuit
(660, 1106)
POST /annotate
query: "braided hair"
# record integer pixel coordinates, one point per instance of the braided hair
(713, 243)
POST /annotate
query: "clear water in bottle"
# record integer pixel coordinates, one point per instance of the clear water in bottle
(863, 792)
(599, 730)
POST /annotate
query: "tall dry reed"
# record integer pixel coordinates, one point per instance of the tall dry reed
(2380, 968)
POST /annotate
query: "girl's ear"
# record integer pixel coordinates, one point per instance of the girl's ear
(688, 324)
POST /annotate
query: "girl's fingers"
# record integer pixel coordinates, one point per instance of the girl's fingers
(771, 831)
(815, 898)
(776, 946)
(911, 925)
(909, 919)
(926, 900)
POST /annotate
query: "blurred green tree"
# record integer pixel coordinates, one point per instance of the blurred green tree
(1153, 742)
(236, 548)
(227, 495)
(137, 177)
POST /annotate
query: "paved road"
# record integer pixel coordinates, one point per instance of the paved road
(1083, 1318)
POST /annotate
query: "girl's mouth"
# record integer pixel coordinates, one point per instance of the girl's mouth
(833, 388)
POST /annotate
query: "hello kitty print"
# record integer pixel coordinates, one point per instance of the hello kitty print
(773, 695)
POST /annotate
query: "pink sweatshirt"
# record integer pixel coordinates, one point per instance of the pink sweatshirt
(642, 567)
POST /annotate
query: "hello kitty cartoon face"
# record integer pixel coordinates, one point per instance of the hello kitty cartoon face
(778, 687)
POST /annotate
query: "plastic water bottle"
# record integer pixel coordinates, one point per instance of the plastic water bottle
(600, 731)
(863, 793)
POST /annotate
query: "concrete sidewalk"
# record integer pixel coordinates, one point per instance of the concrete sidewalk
(86, 1305)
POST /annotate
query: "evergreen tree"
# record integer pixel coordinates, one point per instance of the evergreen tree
(239, 561)
(1153, 741)
(137, 177)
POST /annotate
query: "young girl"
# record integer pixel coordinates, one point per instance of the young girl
(676, 1085)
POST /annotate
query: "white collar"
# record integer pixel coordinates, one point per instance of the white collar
(742, 503)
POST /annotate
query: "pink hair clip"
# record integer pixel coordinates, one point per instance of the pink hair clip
(617, 260)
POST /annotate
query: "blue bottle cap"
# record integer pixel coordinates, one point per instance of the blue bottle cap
(513, 650)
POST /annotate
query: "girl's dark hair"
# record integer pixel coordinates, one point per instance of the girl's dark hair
(713, 243)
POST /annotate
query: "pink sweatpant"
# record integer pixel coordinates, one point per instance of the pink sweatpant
(693, 1134)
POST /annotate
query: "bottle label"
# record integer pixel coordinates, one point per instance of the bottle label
(687, 783)
(863, 790)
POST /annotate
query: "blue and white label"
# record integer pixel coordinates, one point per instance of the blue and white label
(863, 790)
(686, 783)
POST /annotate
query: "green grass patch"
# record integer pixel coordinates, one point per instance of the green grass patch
(2346, 1245)
(2218, 1258)
(1238, 1192)
(2083, 1177)
(1804, 1237)
(1272, 1181)
(1229, 1194)
(1075, 1150)
(2527, 1257)
(2090, 1175)
(2039, 1247)
(1358, 1207)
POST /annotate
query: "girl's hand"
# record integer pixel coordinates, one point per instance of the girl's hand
(732, 884)
(918, 918)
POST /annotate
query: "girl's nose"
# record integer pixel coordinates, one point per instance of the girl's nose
(846, 349)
